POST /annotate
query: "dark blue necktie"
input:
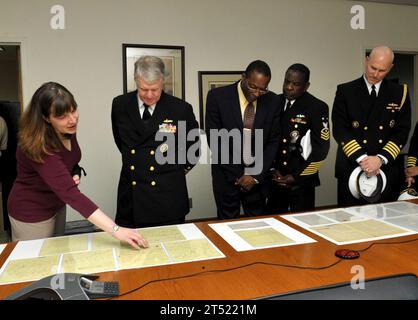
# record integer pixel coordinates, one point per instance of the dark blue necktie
(146, 115)
(373, 94)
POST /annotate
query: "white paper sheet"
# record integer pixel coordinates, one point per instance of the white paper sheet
(400, 213)
(319, 218)
(409, 221)
(230, 232)
(32, 249)
(397, 218)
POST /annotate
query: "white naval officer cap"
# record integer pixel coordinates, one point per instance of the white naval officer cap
(408, 194)
(367, 188)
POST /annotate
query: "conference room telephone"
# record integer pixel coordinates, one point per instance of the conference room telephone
(67, 286)
(99, 289)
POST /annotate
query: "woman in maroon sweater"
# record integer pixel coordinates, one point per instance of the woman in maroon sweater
(47, 154)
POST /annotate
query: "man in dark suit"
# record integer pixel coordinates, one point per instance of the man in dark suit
(249, 112)
(303, 145)
(371, 120)
(152, 192)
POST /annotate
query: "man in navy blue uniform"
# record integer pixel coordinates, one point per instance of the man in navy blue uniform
(151, 193)
(303, 145)
(371, 120)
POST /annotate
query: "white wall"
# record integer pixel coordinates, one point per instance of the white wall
(217, 35)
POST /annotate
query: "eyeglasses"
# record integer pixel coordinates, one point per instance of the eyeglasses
(253, 88)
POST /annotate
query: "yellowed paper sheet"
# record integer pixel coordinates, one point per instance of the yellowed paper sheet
(89, 262)
(30, 269)
(132, 258)
(162, 234)
(53, 246)
(358, 230)
(263, 237)
(191, 250)
(103, 240)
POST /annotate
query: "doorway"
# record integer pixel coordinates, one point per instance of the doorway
(10, 110)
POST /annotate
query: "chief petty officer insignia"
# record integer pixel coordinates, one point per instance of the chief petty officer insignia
(325, 135)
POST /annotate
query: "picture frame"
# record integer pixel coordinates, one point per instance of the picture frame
(213, 79)
(173, 58)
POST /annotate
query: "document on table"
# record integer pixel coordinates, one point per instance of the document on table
(162, 234)
(89, 262)
(100, 252)
(189, 250)
(29, 269)
(259, 234)
(360, 224)
(2, 246)
(182, 243)
(263, 237)
(155, 255)
(103, 240)
(401, 214)
(358, 231)
(64, 244)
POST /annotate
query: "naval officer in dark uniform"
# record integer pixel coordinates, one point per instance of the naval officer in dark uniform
(303, 145)
(371, 119)
(150, 192)
(411, 170)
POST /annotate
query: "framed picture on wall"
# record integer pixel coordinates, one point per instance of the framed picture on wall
(213, 79)
(173, 57)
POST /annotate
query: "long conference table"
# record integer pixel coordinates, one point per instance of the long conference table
(257, 273)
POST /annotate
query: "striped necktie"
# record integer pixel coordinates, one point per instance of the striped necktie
(249, 115)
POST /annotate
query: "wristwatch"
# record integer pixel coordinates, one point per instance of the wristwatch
(115, 229)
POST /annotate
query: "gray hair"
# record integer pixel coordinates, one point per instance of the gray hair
(150, 68)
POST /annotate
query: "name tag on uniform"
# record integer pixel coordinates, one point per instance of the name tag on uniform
(392, 106)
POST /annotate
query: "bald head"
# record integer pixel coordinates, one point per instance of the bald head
(378, 64)
(382, 53)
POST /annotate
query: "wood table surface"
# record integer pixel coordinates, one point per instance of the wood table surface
(257, 273)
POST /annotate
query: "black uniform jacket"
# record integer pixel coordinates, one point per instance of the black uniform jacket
(384, 130)
(307, 117)
(223, 112)
(413, 149)
(150, 192)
